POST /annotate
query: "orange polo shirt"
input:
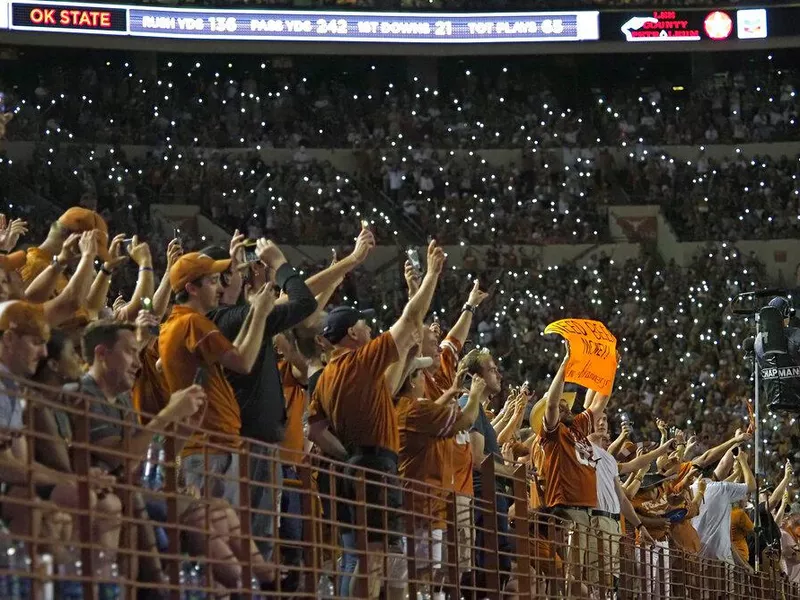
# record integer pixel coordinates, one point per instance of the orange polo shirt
(189, 340)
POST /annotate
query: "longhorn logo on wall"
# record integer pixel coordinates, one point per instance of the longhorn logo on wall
(638, 228)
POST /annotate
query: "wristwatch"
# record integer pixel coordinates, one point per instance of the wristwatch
(469, 308)
(56, 264)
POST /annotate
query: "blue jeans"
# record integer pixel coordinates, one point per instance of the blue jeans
(349, 562)
(504, 542)
(265, 469)
(222, 472)
(291, 529)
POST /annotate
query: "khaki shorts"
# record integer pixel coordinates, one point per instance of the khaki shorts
(466, 532)
(603, 550)
(575, 524)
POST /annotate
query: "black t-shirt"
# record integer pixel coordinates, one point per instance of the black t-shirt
(260, 393)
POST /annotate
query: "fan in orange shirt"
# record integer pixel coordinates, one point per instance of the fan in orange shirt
(292, 369)
(569, 469)
(424, 427)
(50, 255)
(741, 527)
(191, 344)
(352, 414)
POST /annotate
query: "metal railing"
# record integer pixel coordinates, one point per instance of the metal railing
(90, 537)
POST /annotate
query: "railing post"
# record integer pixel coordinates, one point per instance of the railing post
(312, 554)
(82, 458)
(522, 533)
(362, 578)
(245, 516)
(491, 562)
(171, 487)
(453, 550)
(411, 542)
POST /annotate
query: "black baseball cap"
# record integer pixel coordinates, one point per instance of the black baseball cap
(216, 252)
(342, 318)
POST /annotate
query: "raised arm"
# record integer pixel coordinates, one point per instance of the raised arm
(162, 293)
(140, 253)
(554, 395)
(62, 307)
(251, 335)
(645, 460)
(747, 473)
(403, 330)
(42, 287)
(776, 496)
(714, 454)
(460, 330)
(327, 280)
(616, 445)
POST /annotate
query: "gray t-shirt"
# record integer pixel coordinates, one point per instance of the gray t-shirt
(12, 407)
(108, 418)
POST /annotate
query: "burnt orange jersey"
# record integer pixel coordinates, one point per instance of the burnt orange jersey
(295, 394)
(150, 391)
(425, 428)
(188, 340)
(458, 452)
(535, 499)
(741, 526)
(352, 395)
(569, 466)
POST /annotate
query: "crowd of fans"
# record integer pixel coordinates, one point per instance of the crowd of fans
(401, 134)
(213, 344)
(248, 101)
(372, 399)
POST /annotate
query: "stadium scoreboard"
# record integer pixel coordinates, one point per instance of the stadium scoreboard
(304, 26)
(634, 27)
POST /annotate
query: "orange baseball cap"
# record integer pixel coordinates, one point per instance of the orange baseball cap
(78, 219)
(192, 266)
(12, 262)
(25, 318)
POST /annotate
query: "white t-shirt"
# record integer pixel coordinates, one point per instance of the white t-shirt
(713, 524)
(607, 474)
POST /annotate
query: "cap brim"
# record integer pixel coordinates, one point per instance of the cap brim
(220, 266)
(537, 412)
(367, 314)
(421, 362)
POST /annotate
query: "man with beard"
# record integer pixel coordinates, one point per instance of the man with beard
(569, 471)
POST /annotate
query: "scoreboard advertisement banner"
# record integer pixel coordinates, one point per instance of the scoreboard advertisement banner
(645, 27)
(666, 26)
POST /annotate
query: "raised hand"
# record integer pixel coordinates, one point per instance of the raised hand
(476, 295)
(11, 232)
(115, 255)
(458, 380)
(478, 385)
(412, 278)
(174, 252)
(269, 254)
(147, 326)
(140, 252)
(69, 249)
(186, 402)
(365, 243)
(436, 258)
(263, 299)
(236, 249)
(87, 244)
